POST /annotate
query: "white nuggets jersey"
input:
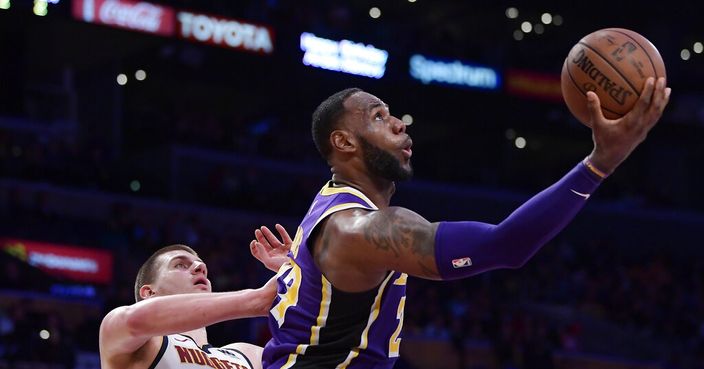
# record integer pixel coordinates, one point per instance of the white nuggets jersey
(180, 351)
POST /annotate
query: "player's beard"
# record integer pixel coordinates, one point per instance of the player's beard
(381, 163)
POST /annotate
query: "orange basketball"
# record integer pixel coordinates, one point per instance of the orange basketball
(614, 63)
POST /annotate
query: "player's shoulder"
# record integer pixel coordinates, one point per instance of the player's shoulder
(356, 222)
(110, 318)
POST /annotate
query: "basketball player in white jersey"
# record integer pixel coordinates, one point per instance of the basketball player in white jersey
(165, 328)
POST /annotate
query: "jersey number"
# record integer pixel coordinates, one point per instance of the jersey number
(395, 341)
(292, 283)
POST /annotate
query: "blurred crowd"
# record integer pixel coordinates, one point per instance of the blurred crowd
(577, 295)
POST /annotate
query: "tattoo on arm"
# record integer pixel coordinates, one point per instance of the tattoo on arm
(393, 233)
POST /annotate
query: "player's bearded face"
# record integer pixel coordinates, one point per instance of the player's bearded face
(382, 163)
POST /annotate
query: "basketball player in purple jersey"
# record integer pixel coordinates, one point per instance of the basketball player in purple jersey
(341, 298)
(165, 328)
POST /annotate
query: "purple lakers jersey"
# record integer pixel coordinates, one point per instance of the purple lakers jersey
(315, 325)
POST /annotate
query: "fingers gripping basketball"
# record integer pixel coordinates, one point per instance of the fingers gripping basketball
(614, 63)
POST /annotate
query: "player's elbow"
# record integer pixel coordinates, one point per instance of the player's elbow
(136, 320)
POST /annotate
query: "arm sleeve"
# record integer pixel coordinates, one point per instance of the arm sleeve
(463, 249)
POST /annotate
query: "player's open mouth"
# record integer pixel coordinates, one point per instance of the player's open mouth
(201, 281)
(407, 152)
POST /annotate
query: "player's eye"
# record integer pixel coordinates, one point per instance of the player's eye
(181, 266)
(378, 116)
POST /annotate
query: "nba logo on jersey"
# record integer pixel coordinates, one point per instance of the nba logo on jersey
(461, 263)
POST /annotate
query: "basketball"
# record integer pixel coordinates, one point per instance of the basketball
(614, 63)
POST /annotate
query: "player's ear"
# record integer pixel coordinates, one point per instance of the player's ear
(343, 140)
(146, 291)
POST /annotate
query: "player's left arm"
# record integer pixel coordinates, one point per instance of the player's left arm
(399, 239)
(404, 241)
(125, 329)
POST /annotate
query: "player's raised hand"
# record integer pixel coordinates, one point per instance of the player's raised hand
(615, 139)
(268, 249)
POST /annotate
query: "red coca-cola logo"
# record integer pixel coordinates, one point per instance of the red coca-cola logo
(142, 16)
(135, 15)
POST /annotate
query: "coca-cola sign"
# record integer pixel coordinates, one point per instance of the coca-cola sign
(224, 32)
(134, 15)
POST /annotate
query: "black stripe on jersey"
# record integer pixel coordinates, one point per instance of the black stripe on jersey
(243, 355)
(347, 317)
(162, 350)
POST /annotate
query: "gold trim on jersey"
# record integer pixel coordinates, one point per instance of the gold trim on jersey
(328, 190)
(300, 349)
(297, 241)
(372, 317)
(401, 280)
(326, 289)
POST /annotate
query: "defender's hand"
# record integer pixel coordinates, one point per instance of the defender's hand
(268, 249)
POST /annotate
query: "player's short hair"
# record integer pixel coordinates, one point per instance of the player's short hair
(326, 117)
(147, 272)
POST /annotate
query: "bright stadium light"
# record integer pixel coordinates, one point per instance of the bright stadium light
(140, 75)
(526, 27)
(512, 13)
(5, 4)
(685, 54)
(40, 8)
(44, 334)
(546, 18)
(135, 186)
(520, 142)
(121, 79)
(375, 12)
(698, 47)
(407, 119)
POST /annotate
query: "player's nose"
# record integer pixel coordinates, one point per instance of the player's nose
(398, 125)
(199, 267)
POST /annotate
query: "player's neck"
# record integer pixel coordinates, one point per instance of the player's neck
(379, 191)
(199, 335)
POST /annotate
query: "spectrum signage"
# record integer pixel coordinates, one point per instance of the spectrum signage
(453, 72)
(75, 263)
(343, 56)
(224, 32)
(133, 15)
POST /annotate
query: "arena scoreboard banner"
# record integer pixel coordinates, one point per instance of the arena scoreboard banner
(133, 15)
(75, 263)
(453, 72)
(229, 33)
(343, 56)
(166, 21)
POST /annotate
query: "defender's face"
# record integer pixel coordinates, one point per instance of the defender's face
(181, 272)
(385, 145)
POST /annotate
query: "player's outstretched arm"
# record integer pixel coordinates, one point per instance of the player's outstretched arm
(399, 239)
(126, 328)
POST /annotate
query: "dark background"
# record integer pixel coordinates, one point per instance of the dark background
(215, 142)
